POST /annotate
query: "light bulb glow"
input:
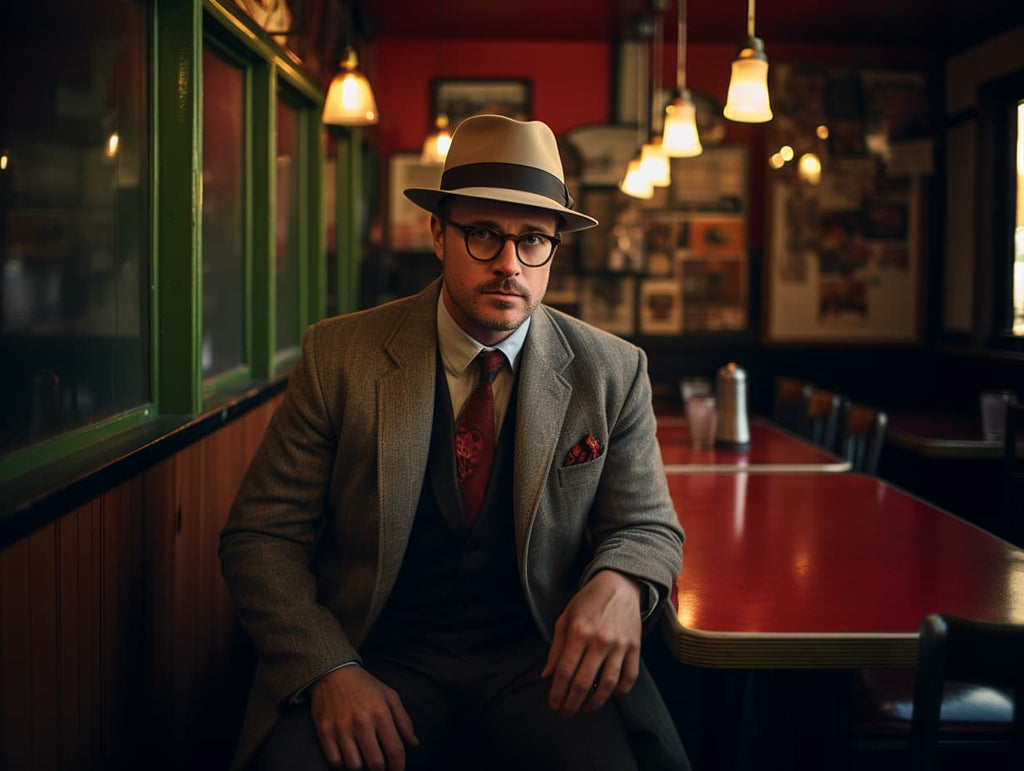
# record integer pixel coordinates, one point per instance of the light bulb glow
(776, 161)
(635, 183)
(747, 100)
(113, 142)
(350, 99)
(435, 147)
(822, 131)
(786, 152)
(654, 164)
(4, 160)
(680, 138)
(809, 168)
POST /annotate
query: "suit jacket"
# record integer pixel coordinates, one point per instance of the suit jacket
(317, 534)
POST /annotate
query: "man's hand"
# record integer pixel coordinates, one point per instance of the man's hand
(596, 643)
(361, 722)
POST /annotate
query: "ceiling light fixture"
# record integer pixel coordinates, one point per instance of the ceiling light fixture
(349, 99)
(680, 138)
(747, 101)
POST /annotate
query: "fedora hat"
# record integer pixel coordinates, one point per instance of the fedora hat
(495, 158)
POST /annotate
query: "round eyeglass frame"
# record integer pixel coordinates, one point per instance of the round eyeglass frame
(466, 229)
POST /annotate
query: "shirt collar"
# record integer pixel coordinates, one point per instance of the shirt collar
(458, 348)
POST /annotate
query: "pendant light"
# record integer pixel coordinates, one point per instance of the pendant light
(680, 138)
(349, 99)
(635, 183)
(435, 146)
(747, 101)
(653, 160)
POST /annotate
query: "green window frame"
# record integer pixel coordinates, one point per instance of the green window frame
(178, 395)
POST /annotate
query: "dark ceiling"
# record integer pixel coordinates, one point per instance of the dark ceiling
(943, 26)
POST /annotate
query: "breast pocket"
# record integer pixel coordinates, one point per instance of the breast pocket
(581, 473)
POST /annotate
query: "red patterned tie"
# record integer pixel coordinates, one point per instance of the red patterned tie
(474, 437)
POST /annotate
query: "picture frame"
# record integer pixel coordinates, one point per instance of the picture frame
(408, 224)
(462, 97)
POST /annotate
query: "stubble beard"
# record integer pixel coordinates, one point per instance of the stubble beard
(468, 300)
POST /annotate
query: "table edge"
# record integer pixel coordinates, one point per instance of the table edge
(789, 650)
(759, 468)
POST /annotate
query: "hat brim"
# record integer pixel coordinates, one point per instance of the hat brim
(427, 198)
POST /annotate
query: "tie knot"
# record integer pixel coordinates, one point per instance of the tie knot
(490, 364)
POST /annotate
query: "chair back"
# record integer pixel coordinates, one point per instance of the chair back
(962, 650)
(1013, 474)
(861, 434)
(792, 397)
(823, 410)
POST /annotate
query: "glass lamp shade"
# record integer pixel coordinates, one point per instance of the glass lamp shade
(680, 138)
(435, 146)
(350, 99)
(654, 163)
(747, 100)
(635, 183)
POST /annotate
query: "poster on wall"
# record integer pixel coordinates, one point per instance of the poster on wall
(408, 224)
(844, 252)
(673, 264)
(608, 302)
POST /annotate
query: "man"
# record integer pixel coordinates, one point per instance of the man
(431, 545)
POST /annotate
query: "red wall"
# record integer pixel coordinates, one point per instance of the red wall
(570, 81)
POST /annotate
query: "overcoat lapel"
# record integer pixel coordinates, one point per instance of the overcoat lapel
(543, 399)
(405, 409)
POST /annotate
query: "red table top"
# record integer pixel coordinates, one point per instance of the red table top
(771, 449)
(825, 570)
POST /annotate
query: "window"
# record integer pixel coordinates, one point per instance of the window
(74, 218)
(93, 243)
(224, 220)
(288, 249)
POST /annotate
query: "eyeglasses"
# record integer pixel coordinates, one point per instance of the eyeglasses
(484, 244)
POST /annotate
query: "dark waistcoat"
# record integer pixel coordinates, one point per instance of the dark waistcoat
(458, 588)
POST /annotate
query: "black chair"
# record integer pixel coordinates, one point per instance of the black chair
(1013, 475)
(861, 434)
(789, 408)
(822, 425)
(962, 717)
(964, 651)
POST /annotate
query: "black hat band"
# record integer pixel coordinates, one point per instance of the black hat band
(510, 176)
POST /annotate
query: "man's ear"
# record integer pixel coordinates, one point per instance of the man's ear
(437, 236)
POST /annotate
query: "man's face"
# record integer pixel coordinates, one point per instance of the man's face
(489, 300)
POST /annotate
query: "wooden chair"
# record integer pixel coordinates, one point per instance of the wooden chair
(823, 409)
(861, 434)
(789, 408)
(1013, 475)
(965, 651)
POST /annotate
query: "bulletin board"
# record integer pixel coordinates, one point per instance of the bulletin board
(844, 254)
(671, 265)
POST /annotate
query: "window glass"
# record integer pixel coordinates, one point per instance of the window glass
(74, 216)
(1018, 240)
(223, 236)
(287, 257)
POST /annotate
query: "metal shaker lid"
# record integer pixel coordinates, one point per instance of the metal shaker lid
(733, 372)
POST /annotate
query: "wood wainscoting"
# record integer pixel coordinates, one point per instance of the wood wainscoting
(118, 643)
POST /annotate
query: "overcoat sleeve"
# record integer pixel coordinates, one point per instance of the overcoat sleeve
(268, 543)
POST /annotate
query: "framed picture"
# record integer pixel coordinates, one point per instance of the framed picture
(408, 224)
(458, 99)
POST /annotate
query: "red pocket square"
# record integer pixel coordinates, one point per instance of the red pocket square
(585, 450)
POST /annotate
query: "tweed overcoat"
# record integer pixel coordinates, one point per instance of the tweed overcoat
(316, 536)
